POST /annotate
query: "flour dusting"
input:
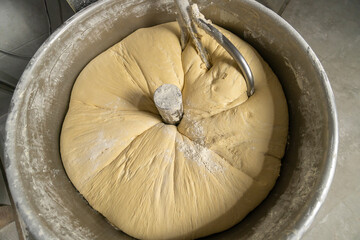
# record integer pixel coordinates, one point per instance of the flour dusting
(203, 156)
(198, 132)
(102, 145)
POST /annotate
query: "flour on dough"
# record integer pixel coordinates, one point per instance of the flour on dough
(158, 181)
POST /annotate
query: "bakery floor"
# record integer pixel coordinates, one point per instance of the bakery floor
(332, 29)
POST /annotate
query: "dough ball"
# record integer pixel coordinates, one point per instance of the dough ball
(158, 181)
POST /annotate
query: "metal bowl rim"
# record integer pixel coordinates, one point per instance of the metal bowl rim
(30, 216)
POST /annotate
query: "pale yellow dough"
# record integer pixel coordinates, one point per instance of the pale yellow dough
(157, 181)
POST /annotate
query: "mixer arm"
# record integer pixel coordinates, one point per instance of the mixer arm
(188, 17)
(188, 28)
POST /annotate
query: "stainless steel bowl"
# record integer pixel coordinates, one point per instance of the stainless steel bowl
(48, 202)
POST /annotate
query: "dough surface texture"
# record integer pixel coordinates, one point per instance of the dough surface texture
(158, 181)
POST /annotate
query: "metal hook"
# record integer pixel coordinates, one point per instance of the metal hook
(188, 15)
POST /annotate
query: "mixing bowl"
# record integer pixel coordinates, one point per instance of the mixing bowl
(50, 205)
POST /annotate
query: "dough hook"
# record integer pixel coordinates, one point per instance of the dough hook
(187, 18)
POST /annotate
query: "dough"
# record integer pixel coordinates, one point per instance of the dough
(158, 181)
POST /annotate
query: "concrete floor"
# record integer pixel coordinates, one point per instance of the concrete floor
(332, 29)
